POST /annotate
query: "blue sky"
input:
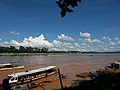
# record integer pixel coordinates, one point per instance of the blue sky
(93, 26)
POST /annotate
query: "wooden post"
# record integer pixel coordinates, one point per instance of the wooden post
(60, 78)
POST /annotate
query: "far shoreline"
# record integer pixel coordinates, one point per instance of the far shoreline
(59, 53)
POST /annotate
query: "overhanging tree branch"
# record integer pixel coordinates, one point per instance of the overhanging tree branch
(65, 6)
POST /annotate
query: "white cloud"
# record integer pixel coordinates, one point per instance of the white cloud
(85, 35)
(6, 44)
(116, 38)
(55, 49)
(77, 45)
(68, 46)
(14, 33)
(57, 43)
(65, 38)
(96, 41)
(118, 43)
(84, 45)
(14, 43)
(0, 39)
(31, 41)
(104, 48)
(36, 42)
(106, 38)
(112, 43)
(87, 40)
(59, 46)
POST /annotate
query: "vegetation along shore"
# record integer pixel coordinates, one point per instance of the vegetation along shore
(21, 51)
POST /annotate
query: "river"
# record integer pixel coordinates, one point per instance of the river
(63, 59)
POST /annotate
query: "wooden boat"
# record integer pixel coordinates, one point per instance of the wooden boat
(84, 75)
(30, 75)
(9, 66)
(113, 67)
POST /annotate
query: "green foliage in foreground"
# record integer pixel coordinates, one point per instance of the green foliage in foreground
(103, 82)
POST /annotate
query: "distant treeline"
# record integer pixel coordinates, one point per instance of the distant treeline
(22, 49)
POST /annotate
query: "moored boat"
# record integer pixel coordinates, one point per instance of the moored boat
(112, 67)
(9, 66)
(30, 75)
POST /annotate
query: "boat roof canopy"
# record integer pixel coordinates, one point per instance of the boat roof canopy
(117, 62)
(29, 72)
(5, 64)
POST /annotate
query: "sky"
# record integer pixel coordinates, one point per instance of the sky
(93, 26)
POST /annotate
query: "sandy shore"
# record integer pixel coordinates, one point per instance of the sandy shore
(70, 70)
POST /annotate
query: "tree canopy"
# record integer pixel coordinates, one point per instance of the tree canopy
(22, 49)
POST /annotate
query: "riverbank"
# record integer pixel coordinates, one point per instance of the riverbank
(110, 81)
(59, 53)
(22, 54)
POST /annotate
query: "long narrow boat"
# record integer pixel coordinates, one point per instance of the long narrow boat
(9, 66)
(29, 75)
